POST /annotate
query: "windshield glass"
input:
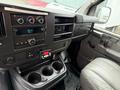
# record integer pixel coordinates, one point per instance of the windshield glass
(75, 4)
(70, 3)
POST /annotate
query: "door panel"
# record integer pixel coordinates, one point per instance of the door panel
(98, 45)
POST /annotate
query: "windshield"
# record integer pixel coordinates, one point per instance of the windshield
(70, 3)
(75, 4)
(61, 6)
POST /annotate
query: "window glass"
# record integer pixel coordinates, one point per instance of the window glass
(113, 24)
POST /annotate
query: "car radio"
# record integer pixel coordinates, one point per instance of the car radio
(28, 30)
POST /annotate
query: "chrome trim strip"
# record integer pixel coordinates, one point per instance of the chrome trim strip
(24, 11)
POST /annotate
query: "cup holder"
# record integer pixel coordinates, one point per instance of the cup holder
(47, 71)
(57, 65)
(34, 78)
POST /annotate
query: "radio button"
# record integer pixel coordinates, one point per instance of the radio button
(17, 44)
(21, 43)
(31, 41)
(25, 42)
(43, 29)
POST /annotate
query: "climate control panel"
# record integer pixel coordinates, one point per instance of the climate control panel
(28, 30)
(18, 19)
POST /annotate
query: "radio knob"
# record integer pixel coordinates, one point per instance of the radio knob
(20, 20)
(31, 41)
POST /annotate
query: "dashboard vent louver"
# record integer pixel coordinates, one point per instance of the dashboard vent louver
(62, 20)
(2, 29)
(63, 28)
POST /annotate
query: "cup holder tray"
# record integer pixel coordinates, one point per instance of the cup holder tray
(45, 73)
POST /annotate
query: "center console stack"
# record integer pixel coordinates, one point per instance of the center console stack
(39, 75)
(31, 43)
(28, 30)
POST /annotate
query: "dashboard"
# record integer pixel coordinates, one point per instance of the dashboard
(32, 44)
(26, 34)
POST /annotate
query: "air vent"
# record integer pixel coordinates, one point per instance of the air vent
(2, 29)
(62, 20)
(63, 28)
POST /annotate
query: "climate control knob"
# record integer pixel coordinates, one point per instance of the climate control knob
(31, 20)
(40, 19)
(31, 41)
(20, 20)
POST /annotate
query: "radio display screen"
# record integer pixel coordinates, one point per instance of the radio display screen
(24, 31)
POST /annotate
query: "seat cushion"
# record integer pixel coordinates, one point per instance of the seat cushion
(100, 74)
